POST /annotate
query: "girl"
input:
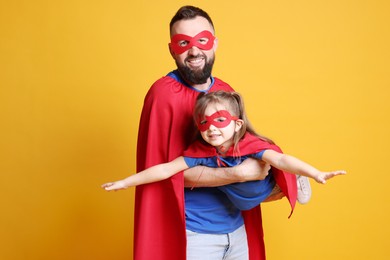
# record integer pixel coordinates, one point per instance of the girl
(228, 139)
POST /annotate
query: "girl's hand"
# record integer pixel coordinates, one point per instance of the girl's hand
(118, 185)
(323, 176)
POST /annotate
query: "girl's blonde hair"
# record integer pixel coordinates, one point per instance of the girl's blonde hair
(235, 105)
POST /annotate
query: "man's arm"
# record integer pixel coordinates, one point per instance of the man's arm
(249, 170)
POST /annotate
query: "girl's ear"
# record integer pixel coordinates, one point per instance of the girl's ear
(239, 124)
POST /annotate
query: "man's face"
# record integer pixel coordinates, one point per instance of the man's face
(194, 64)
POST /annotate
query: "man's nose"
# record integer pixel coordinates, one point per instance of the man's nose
(193, 51)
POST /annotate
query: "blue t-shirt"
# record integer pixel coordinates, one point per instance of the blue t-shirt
(218, 210)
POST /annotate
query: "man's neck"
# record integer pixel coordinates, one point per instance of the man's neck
(199, 87)
(203, 86)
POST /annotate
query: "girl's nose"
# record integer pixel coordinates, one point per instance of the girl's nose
(212, 127)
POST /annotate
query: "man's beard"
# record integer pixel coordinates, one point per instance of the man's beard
(196, 76)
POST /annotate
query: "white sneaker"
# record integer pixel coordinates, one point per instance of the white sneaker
(304, 189)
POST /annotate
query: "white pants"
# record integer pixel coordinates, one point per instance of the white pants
(231, 246)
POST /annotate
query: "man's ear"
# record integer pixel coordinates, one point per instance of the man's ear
(215, 46)
(239, 124)
(171, 51)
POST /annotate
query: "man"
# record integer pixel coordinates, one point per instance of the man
(164, 133)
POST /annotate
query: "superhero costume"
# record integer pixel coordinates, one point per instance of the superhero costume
(248, 146)
(159, 221)
(243, 195)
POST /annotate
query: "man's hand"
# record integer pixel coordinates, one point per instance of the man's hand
(252, 170)
(276, 194)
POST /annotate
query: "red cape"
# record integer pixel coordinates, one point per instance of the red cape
(159, 220)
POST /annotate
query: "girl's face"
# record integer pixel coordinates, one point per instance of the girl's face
(219, 131)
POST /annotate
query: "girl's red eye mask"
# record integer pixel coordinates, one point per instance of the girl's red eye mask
(219, 119)
(181, 42)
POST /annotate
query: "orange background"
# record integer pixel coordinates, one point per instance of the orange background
(73, 75)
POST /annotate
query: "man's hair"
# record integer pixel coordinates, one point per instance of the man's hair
(189, 12)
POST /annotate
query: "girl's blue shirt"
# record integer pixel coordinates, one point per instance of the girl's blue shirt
(203, 204)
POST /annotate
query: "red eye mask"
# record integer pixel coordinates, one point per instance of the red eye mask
(181, 42)
(219, 119)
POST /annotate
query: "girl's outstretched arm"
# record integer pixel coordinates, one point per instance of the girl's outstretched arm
(155, 173)
(293, 165)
